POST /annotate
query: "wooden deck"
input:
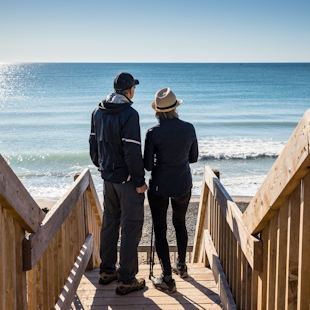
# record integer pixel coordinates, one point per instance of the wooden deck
(198, 291)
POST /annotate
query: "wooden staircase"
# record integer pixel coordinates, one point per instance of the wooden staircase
(258, 259)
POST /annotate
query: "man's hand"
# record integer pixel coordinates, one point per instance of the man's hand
(142, 189)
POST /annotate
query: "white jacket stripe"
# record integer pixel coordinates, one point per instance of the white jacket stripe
(132, 141)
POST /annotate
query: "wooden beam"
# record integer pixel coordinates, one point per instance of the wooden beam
(219, 275)
(200, 225)
(38, 242)
(289, 168)
(294, 221)
(16, 199)
(91, 190)
(67, 295)
(304, 248)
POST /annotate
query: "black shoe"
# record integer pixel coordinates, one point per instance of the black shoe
(180, 269)
(136, 285)
(160, 284)
(106, 278)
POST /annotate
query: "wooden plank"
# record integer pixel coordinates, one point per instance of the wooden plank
(272, 255)
(91, 228)
(58, 262)
(213, 218)
(238, 295)
(281, 258)
(200, 221)
(289, 168)
(38, 242)
(248, 291)
(191, 293)
(303, 297)
(2, 262)
(231, 258)
(224, 233)
(293, 249)
(32, 298)
(219, 275)
(67, 295)
(255, 290)
(214, 236)
(45, 281)
(233, 281)
(263, 296)
(21, 280)
(91, 191)
(57, 267)
(9, 261)
(51, 252)
(38, 285)
(243, 282)
(16, 199)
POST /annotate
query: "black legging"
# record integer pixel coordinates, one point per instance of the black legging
(159, 206)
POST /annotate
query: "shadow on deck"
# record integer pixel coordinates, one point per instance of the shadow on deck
(198, 291)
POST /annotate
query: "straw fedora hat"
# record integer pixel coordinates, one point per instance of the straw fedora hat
(165, 101)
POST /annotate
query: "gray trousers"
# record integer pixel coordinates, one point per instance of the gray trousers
(123, 207)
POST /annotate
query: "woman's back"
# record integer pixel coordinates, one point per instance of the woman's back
(169, 148)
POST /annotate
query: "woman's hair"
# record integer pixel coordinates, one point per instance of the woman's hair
(166, 115)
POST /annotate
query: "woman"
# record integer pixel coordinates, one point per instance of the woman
(170, 147)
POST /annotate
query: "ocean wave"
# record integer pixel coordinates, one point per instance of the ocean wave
(241, 123)
(236, 148)
(236, 156)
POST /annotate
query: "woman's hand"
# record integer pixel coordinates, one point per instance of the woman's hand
(142, 189)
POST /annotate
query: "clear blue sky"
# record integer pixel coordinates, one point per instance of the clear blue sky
(155, 31)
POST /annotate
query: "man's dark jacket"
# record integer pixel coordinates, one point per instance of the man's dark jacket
(115, 141)
(170, 147)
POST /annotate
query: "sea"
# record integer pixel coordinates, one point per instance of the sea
(243, 114)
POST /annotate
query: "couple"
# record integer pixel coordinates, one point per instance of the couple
(115, 148)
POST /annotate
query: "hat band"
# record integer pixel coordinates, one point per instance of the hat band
(157, 107)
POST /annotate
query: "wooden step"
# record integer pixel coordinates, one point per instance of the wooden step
(198, 291)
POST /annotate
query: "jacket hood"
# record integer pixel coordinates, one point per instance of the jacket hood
(114, 103)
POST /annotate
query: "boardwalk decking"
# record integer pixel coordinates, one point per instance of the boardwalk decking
(198, 291)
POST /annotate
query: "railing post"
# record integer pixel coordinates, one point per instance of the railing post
(217, 173)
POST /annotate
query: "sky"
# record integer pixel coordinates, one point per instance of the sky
(154, 31)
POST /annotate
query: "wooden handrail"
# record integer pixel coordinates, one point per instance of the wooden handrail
(38, 242)
(251, 246)
(290, 167)
(263, 254)
(55, 248)
(16, 199)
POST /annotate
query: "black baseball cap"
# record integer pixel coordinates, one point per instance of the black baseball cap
(124, 81)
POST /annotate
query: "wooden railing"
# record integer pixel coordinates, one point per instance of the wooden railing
(43, 257)
(261, 258)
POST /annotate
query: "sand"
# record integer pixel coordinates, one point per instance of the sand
(191, 217)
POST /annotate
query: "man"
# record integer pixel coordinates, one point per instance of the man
(115, 148)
